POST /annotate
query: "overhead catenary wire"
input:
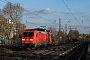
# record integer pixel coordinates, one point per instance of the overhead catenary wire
(79, 17)
(5, 1)
(72, 13)
(77, 14)
(44, 17)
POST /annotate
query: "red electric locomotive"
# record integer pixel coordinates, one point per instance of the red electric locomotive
(36, 37)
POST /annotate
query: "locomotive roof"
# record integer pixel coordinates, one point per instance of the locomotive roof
(39, 29)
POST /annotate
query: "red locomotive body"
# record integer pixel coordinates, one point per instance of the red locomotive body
(36, 37)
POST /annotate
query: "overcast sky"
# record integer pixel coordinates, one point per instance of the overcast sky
(74, 13)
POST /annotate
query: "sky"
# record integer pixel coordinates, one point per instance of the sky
(74, 13)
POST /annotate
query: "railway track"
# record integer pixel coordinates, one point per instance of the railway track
(47, 54)
(79, 53)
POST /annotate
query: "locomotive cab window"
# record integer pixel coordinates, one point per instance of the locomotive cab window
(36, 34)
(28, 33)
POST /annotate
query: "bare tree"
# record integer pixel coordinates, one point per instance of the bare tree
(14, 13)
(2, 21)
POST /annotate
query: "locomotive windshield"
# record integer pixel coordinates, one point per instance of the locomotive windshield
(28, 33)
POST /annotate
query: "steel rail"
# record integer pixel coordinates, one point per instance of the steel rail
(72, 53)
(82, 52)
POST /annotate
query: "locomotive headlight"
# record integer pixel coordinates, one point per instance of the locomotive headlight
(31, 39)
(23, 39)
